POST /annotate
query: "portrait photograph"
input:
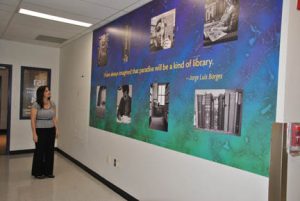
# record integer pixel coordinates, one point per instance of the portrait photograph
(221, 21)
(163, 31)
(102, 49)
(218, 110)
(100, 101)
(159, 106)
(124, 99)
(126, 43)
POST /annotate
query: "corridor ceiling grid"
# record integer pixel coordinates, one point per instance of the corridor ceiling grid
(28, 29)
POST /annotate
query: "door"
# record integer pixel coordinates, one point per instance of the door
(5, 100)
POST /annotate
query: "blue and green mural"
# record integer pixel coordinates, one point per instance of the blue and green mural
(201, 76)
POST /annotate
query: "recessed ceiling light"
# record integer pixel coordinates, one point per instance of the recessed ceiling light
(54, 18)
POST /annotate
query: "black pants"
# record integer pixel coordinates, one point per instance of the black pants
(43, 157)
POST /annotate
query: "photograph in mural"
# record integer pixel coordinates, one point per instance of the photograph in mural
(101, 101)
(162, 31)
(221, 21)
(126, 43)
(159, 106)
(124, 96)
(102, 50)
(218, 110)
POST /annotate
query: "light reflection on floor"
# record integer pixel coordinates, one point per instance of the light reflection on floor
(70, 182)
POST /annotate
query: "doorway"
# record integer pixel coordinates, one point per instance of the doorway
(5, 107)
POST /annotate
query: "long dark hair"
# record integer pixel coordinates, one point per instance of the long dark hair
(40, 95)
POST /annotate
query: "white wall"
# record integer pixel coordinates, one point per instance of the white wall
(288, 104)
(21, 54)
(147, 172)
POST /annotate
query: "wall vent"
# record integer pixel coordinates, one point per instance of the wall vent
(50, 39)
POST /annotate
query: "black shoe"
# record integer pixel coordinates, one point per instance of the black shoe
(40, 177)
(50, 176)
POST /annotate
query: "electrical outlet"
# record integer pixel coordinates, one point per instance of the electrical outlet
(116, 163)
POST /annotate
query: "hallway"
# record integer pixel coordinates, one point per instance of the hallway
(70, 183)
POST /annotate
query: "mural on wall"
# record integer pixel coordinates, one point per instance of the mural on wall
(198, 77)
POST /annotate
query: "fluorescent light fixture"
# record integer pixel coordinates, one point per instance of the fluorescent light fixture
(54, 18)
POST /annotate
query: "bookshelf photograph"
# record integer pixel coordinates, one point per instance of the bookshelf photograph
(218, 110)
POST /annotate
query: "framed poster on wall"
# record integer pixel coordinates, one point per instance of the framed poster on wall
(31, 79)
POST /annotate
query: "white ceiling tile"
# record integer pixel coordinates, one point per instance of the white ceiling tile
(5, 16)
(27, 37)
(107, 20)
(16, 30)
(77, 7)
(2, 28)
(137, 5)
(114, 17)
(10, 2)
(22, 28)
(22, 24)
(116, 4)
(31, 41)
(7, 7)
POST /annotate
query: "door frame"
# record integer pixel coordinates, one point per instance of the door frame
(9, 92)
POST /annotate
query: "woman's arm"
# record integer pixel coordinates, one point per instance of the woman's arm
(33, 124)
(55, 122)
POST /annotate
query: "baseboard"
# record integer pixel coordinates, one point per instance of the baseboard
(98, 177)
(26, 151)
(3, 132)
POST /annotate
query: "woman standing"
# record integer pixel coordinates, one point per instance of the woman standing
(44, 131)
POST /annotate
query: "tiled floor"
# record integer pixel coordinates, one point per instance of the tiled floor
(70, 184)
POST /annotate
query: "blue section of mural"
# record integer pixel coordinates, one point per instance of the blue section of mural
(248, 61)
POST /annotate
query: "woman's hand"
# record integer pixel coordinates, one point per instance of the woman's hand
(35, 138)
(33, 124)
(56, 133)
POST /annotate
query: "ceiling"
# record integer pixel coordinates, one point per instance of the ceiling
(22, 28)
